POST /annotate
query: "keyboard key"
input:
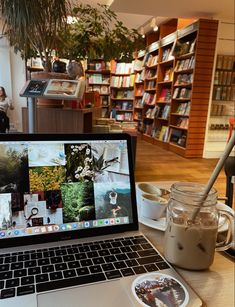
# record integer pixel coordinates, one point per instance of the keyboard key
(148, 252)
(110, 258)
(61, 252)
(10, 283)
(62, 266)
(98, 260)
(68, 258)
(104, 252)
(86, 262)
(127, 272)
(80, 256)
(17, 265)
(24, 290)
(44, 261)
(4, 267)
(73, 264)
(34, 271)
(132, 255)
(162, 265)
(6, 275)
(113, 274)
(69, 273)
(95, 247)
(42, 278)
(114, 251)
(47, 268)
(6, 293)
(82, 271)
(139, 269)
(83, 249)
(136, 247)
(131, 263)
(75, 281)
(125, 249)
(146, 246)
(10, 259)
(119, 264)
(106, 245)
(56, 275)
(30, 263)
(147, 260)
(95, 269)
(57, 259)
(107, 266)
(139, 240)
(36, 256)
(93, 254)
(151, 267)
(1, 284)
(23, 257)
(20, 273)
(27, 280)
(121, 257)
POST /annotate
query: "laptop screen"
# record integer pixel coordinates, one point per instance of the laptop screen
(62, 186)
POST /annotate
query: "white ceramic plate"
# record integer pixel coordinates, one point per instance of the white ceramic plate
(161, 223)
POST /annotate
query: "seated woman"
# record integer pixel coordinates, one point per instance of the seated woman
(5, 103)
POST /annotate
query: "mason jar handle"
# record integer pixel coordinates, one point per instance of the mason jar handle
(228, 242)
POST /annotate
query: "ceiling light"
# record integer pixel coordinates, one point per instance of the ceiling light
(142, 32)
(155, 29)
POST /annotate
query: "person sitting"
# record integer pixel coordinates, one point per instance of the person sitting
(5, 103)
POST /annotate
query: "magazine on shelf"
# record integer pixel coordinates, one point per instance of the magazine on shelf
(63, 88)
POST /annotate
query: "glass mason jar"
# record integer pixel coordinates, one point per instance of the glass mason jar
(192, 226)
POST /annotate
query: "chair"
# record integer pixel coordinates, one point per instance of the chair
(229, 168)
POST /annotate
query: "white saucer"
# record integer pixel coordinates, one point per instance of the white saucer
(161, 223)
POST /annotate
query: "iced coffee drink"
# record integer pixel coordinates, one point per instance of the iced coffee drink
(192, 226)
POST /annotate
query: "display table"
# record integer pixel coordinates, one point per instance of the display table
(214, 286)
(62, 120)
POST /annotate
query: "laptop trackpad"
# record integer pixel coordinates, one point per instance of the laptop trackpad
(98, 295)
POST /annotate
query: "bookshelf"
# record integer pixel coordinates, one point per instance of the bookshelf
(122, 91)
(184, 73)
(223, 99)
(98, 79)
(139, 88)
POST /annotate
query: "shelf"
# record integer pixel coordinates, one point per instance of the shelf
(165, 82)
(167, 62)
(183, 85)
(183, 71)
(120, 99)
(185, 56)
(150, 89)
(121, 110)
(176, 127)
(180, 115)
(104, 72)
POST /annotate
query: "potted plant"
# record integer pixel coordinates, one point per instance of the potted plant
(33, 27)
(96, 33)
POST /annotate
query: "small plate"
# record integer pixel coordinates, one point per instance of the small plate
(161, 223)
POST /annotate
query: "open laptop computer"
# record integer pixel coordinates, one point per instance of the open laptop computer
(69, 227)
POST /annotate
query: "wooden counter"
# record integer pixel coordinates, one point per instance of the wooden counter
(62, 120)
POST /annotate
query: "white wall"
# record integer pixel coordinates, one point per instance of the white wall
(225, 46)
(12, 78)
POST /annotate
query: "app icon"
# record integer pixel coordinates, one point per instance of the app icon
(117, 221)
(87, 224)
(62, 227)
(95, 223)
(74, 226)
(49, 228)
(112, 221)
(106, 222)
(56, 227)
(126, 220)
(16, 232)
(43, 229)
(29, 231)
(36, 230)
(2, 234)
(68, 226)
(100, 222)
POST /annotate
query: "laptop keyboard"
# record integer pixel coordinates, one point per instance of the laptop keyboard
(36, 271)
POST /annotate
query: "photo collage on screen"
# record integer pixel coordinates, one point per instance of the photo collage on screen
(58, 183)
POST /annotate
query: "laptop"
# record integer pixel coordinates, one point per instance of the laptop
(69, 227)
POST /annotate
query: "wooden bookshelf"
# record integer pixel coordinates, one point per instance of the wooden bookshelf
(98, 79)
(184, 72)
(122, 91)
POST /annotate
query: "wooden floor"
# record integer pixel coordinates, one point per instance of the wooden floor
(155, 164)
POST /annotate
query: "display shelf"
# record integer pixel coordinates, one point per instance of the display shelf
(184, 71)
(222, 105)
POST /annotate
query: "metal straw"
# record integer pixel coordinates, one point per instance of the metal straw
(216, 172)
